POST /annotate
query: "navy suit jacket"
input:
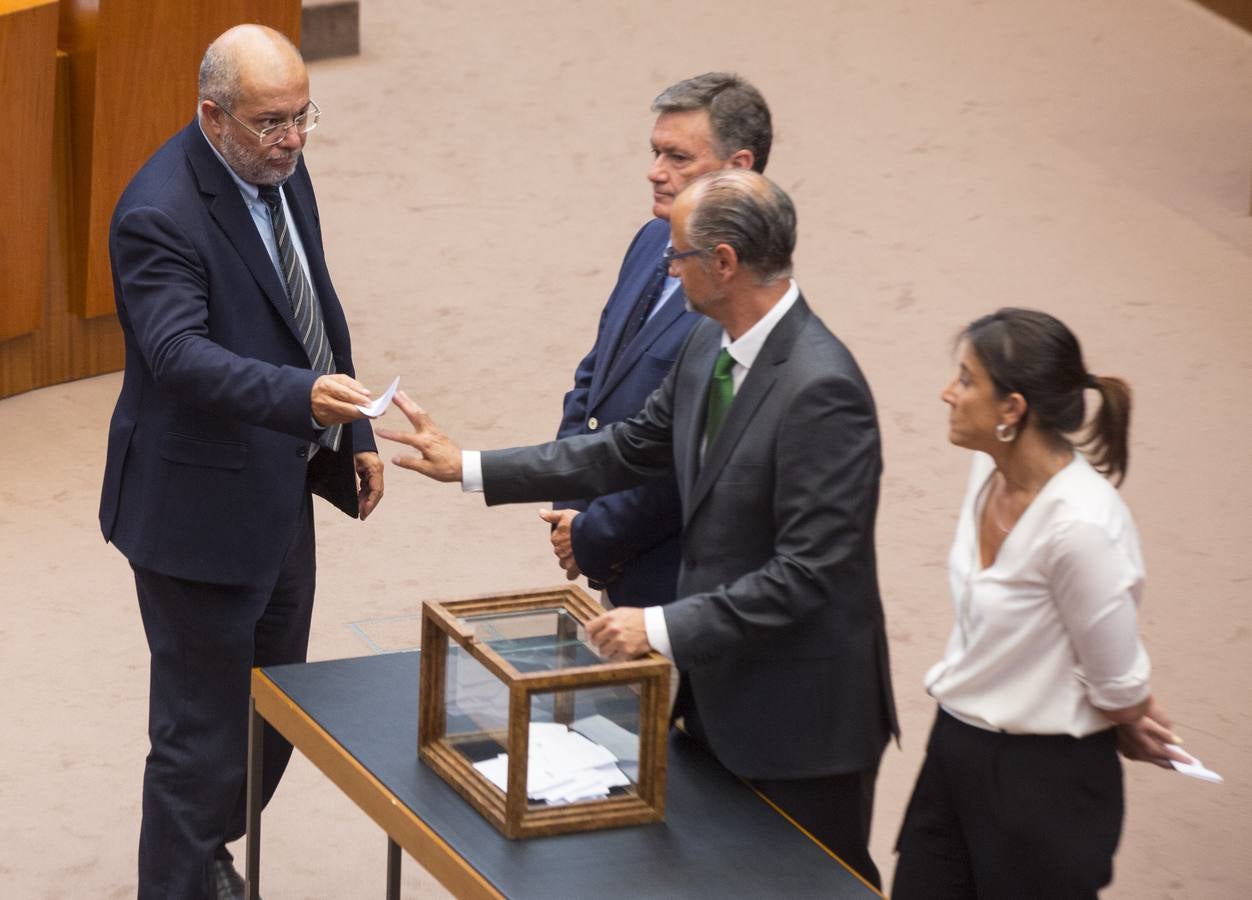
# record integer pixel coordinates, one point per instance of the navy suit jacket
(629, 541)
(208, 445)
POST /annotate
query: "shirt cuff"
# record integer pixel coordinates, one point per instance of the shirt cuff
(1125, 691)
(658, 633)
(471, 471)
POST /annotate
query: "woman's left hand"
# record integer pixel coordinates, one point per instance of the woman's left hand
(1146, 738)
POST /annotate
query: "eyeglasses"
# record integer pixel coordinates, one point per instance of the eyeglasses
(276, 134)
(671, 255)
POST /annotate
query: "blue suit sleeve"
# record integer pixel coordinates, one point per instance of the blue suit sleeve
(575, 411)
(164, 295)
(616, 528)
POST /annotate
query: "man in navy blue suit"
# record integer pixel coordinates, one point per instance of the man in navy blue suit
(238, 402)
(627, 543)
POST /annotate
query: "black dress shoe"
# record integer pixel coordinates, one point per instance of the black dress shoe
(228, 884)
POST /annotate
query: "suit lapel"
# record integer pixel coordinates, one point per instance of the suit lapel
(760, 380)
(666, 316)
(228, 210)
(639, 283)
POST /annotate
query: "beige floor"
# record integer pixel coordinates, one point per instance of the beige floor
(480, 170)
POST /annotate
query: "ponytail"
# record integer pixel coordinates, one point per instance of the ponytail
(1107, 443)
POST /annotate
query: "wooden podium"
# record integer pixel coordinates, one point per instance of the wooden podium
(133, 69)
(82, 119)
(28, 31)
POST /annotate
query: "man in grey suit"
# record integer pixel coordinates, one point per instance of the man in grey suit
(769, 428)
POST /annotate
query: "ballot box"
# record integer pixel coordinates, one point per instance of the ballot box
(521, 716)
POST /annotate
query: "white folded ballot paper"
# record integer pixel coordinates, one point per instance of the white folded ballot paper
(564, 766)
(1195, 768)
(379, 406)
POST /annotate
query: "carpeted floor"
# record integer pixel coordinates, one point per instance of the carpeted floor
(480, 169)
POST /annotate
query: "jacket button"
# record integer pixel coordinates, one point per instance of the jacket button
(593, 423)
(302, 451)
(691, 563)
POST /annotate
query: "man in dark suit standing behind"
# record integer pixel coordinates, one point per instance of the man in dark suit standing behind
(237, 401)
(769, 427)
(628, 542)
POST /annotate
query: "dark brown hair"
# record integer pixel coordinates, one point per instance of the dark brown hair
(1033, 354)
(738, 114)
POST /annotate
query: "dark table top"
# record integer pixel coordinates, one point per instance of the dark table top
(719, 839)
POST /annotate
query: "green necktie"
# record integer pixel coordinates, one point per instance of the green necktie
(721, 393)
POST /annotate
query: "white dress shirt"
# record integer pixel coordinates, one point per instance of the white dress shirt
(1047, 635)
(744, 351)
(667, 290)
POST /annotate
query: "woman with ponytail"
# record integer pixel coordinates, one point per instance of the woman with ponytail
(1044, 675)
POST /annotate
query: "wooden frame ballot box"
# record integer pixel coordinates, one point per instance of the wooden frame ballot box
(524, 720)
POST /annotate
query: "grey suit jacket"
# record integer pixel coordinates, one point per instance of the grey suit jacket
(778, 627)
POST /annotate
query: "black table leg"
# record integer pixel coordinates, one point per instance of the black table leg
(256, 736)
(393, 870)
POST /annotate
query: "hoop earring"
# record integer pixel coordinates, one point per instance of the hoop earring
(1006, 434)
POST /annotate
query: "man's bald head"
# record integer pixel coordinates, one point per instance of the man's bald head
(746, 211)
(255, 104)
(244, 58)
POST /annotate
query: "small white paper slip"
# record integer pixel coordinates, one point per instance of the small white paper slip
(379, 406)
(496, 770)
(1195, 768)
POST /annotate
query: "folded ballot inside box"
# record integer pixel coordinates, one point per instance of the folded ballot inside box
(523, 718)
(564, 767)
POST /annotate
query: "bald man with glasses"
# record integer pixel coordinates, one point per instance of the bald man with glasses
(238, 403)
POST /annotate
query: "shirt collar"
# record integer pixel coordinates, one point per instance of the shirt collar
(250, 191)
(744, 351)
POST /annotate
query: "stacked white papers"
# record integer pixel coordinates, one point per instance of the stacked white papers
(1195, 768)
(564, 766)
(621, 743)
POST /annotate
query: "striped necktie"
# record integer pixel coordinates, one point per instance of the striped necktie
(305, 309)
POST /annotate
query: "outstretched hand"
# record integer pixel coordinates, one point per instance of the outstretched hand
(437, 456)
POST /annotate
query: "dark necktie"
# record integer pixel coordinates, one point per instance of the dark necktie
(305, 309)
(639, 312)
(721, 394)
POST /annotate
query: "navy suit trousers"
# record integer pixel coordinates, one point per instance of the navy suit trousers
(204, 640)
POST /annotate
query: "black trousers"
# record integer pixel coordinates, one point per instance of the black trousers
(1003, 815)
(204, 640)
(835, 809)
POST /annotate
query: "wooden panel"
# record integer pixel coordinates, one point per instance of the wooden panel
(330, 28)
(28, 33)
(116, 46)
(1237, 11)
(64, 346)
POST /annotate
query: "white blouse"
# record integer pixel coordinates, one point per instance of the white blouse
(1047, 635)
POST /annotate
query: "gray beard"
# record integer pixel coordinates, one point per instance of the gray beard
(248, 167)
